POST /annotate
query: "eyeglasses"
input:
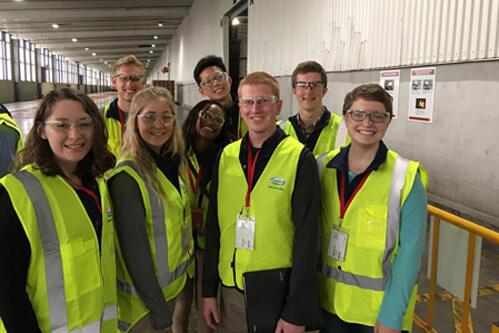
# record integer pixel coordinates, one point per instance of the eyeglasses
(208, 116)
(59, 125)
(375, 116)
(309, 85)
(219, 77)
(125, 77)
(249, 102)
(151, 118)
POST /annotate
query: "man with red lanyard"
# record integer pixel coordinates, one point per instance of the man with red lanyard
(263, 214)
(128, 79)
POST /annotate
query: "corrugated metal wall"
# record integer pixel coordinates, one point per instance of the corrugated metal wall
(366, 34)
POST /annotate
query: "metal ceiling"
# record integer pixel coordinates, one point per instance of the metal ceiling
(110, 29)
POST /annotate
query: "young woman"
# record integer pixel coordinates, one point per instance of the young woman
(57, 236)
(373, 223)
(204, 135)
(153, 219)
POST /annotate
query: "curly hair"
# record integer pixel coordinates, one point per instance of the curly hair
(37, 150)
(136, 148)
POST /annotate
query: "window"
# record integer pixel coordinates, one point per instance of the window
(5, 59)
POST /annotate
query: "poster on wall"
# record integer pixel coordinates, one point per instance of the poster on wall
(422, 92)
(390, 81)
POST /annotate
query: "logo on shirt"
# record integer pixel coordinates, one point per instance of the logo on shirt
(276, 183)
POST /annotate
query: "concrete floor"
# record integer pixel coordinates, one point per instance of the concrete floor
(447, 306)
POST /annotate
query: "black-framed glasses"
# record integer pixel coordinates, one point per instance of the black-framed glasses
(309, 85)
(151, 118)
(249, 102)
(217, 77)
(125, 78)
(208, 116)
(374, 116)
(62, 125)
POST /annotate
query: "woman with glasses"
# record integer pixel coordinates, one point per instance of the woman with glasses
(57, 252)
(204, 135)
(373, 223)
(153, 219)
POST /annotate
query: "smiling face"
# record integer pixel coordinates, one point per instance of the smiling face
(152, 128)
(126, 87)
(69, 146)
(216, 91)
(209, 122)
(309, 99)
(366, 133)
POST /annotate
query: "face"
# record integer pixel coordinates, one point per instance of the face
(209, 123)
(216, 91)
(366, 132)
(128, 80)
(69, 131)
(156, 122)
(261, 119)
(308, 98)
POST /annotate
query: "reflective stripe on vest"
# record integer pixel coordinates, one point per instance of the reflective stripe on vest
(393, 224)
(53, 261)
(160, 240)
(341, 134)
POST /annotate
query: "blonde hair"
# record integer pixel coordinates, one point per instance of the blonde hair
(129, 60)
(134, 146)
(260, 78)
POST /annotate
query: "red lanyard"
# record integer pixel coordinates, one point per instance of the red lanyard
(343, 206)
(122, 121)
(87, 191)
(250, 172)
(195, 185)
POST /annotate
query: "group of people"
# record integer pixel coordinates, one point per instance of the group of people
(117, 221)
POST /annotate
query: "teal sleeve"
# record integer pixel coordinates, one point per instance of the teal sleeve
(413, 220)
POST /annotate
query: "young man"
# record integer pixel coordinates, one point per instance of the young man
(268, 182)
(214, 83)
(10, 140)
(128, 79)
(313, 125)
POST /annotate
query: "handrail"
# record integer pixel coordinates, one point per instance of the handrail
(474, 230)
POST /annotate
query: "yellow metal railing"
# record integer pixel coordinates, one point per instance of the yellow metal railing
(474, 231)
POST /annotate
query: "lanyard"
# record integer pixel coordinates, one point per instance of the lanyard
(250, 172)
(344, 206)
(87, 191)
(196, 186)
(122, 121)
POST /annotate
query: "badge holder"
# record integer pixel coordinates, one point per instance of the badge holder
(245, 230)
(338, 244)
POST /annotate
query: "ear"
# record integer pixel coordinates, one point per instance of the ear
(113, 82)
(229, 79)
(324, 91)
(279, 106)
(41, 132)
(294, 91)
(201, 91)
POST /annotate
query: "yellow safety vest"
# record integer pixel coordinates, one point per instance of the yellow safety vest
(354, 289)
(114, 132)
(71, 284)
(168, 224)
(329, 137)
(270, 204)
(8, 121)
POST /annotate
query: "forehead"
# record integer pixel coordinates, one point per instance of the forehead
(213, 108)
(308, 77)
(362, 104)
(249, 90)
(67, 109)
(129, 70)
(208, 71)
(159, 105)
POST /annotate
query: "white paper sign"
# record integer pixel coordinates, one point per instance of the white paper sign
(422, 92)
(390, 80)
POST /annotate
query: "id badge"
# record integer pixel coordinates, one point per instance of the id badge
(337, 245)
(245, 232)
(186, 238)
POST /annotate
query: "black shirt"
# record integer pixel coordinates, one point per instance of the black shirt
(232, 120)
(311, 140)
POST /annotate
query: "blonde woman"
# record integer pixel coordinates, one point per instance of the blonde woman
(152, 216)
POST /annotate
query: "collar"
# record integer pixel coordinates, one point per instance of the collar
(114, 111)
(322, 122)
(268, 146)
(340, 161)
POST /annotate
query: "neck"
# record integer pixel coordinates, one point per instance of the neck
(257, 139)
(360, 157)
(69, 173)
(202, 145)
(123, 105)
(309, 117)
(226, 102)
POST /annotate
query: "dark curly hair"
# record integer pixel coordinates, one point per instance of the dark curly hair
(205, 62)
(37, 150)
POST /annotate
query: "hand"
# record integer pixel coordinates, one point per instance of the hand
(284, 326)
(210, 312)
(380, 328)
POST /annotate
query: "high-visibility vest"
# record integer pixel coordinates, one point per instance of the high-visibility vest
(354, 289)
(168, 224)
(7, 120)
(332, 136)
(114, 132)
(270, 204)
(71, 284)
